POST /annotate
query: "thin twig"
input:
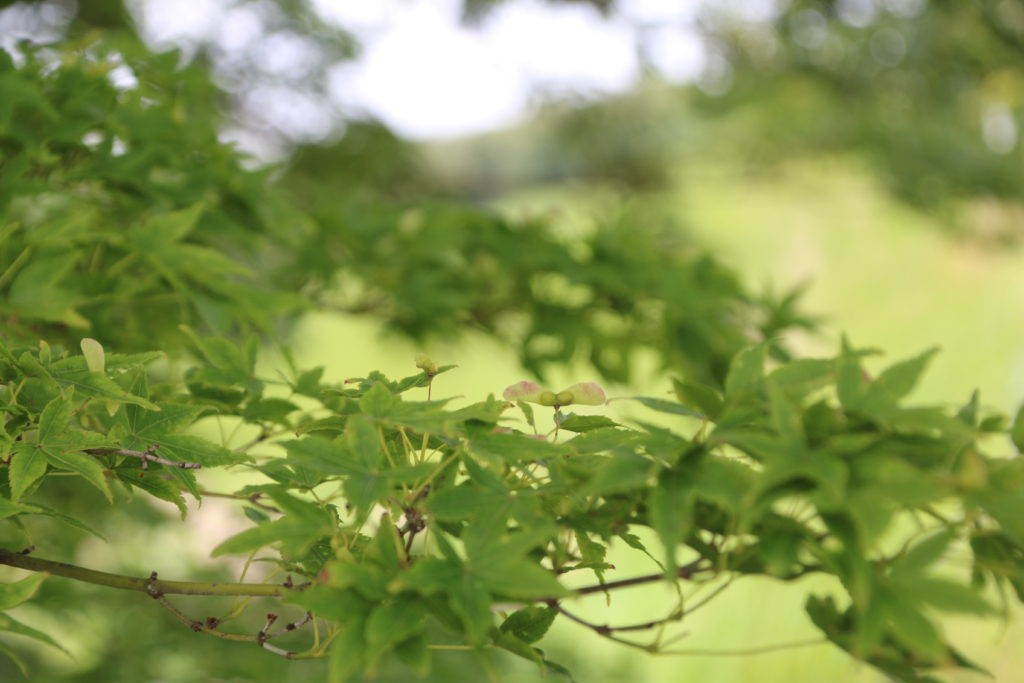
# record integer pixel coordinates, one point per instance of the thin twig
(741, 652)
(288, 628)
(199, 627)
(710, 596)
(605, 629)
(253, 498)
(685, 572)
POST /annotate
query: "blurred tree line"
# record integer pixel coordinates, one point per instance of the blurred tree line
(929, 94)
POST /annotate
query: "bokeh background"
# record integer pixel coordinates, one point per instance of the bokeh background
(866, 150)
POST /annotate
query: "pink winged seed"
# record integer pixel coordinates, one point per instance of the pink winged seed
(523, 391)
(587, 394)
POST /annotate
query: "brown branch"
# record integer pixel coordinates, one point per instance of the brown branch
(151, 586)
(147, 456)
(260, 638)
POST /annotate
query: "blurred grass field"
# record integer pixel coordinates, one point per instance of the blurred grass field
(875, 270)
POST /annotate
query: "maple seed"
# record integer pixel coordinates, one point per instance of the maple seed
(531, 392)
(583, 393)
(587, 394)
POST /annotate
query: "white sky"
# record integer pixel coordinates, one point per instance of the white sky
(427, 76)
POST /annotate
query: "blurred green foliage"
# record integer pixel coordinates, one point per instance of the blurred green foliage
(125, 219)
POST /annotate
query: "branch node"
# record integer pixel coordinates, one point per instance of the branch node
(153, 591)
(263, 635)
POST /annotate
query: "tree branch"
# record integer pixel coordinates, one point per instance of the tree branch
(151, 586)
(147, 456)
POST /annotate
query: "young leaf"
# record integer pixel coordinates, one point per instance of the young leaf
(899, 379)
(530, 623)
(586, 423)
(747, 370)
(13, 594)
(706, 399)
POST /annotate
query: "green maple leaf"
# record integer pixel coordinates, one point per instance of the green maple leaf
(57, 446)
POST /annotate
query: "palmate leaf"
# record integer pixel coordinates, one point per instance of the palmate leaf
(530, 623)
(499, 559)
(57, 446)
